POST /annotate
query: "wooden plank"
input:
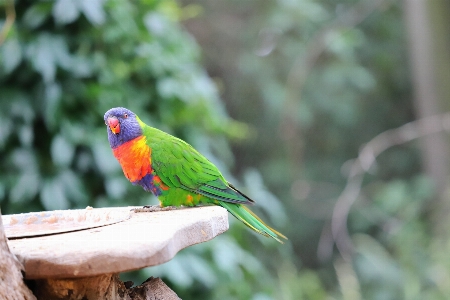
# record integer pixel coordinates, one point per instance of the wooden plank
(146, 239)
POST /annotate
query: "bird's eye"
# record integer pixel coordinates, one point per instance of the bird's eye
(125, 115)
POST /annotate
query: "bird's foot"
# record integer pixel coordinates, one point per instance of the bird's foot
(153, 208)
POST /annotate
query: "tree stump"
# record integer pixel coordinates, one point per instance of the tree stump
(11, 281)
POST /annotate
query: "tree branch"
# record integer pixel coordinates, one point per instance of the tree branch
(364, 162)
(10, 18)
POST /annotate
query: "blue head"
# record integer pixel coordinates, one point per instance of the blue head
(122, 126)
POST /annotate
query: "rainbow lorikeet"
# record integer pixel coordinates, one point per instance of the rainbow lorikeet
(173, 170)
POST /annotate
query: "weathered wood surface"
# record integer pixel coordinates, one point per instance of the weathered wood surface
(11, 281)
(146, 239)
(58, 221)
(152, 289)
(103, 287)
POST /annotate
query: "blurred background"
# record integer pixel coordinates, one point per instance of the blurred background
(332, 115)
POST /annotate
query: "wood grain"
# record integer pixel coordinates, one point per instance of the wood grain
(146, 239)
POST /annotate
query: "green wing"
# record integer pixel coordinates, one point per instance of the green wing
(179, 165)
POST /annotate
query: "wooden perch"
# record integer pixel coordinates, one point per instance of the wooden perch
(11, 281)
(86, 263)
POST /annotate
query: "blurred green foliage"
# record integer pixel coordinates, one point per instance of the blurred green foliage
(62, 66)
(308, 82)
(316, 80)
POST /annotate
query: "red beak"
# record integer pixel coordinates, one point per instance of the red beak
(114, 125)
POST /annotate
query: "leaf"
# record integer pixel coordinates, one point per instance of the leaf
(156, 24)
(104, 158)
(62, 151)
(199, 269)
(26, 135)
(52, 98)
(21, 108)
(27, 184)
(53, 196)
(73, 131)
(24, 159)
(5, 131)
(81, 66)
(266, 200)
(65, 11)
(175, 271)
(84, 162)
(93, 10)
(42, 58)
(73, 188)
(61, 53)
(116, 187)
(378, 273)
(25, 188)
(11, 54)
(36, 15)
(48, 52)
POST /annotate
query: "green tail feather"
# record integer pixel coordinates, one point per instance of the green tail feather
(245, 215)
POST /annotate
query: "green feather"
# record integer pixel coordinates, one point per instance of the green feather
(179, 165)
(186, 172)
(245, 215)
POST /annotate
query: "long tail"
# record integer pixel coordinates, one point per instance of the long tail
(245, 215)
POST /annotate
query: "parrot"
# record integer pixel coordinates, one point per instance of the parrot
(176, 173)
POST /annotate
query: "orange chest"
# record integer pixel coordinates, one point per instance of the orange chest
(135, 158)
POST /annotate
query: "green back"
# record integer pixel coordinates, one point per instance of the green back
(179, 165)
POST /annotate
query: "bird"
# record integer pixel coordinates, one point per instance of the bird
(176, 173)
